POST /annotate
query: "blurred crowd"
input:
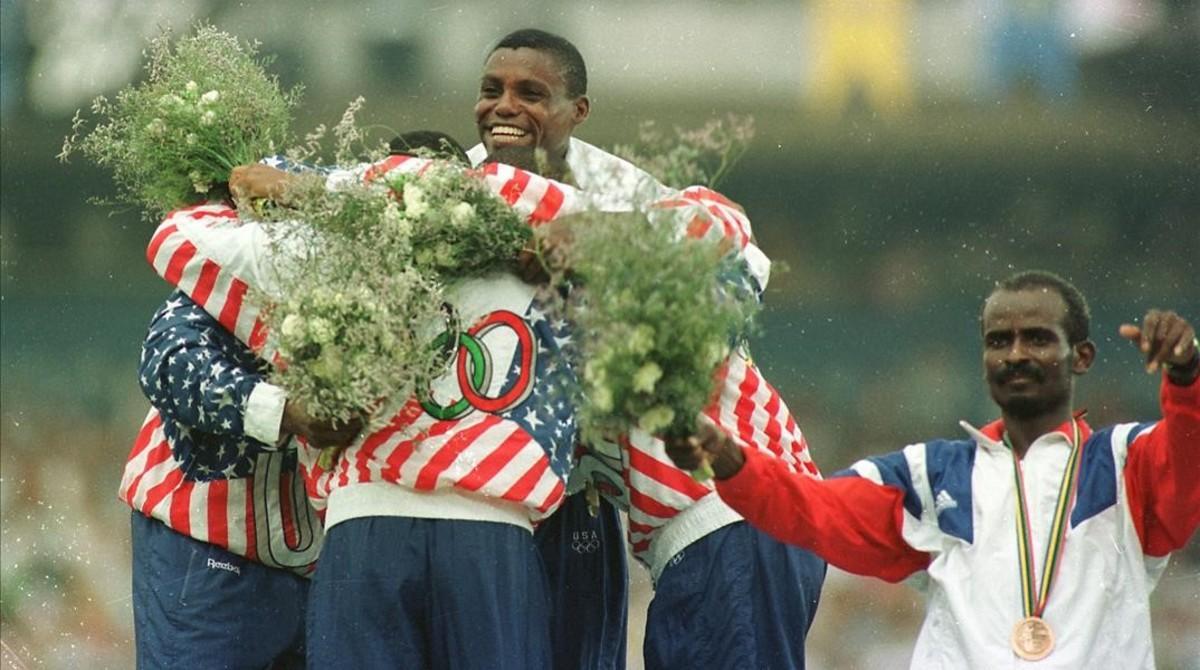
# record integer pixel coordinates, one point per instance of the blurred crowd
(887, 57)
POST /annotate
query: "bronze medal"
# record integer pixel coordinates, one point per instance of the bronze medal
(1032, 638)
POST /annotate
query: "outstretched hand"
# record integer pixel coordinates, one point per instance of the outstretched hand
(708, 445)
(1167, 340)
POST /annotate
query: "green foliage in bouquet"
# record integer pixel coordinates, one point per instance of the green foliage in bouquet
(349, 352)
(362, 269)
(351, 313)
(702, 156)
(656, 315)
(458, 228)
(207, 105)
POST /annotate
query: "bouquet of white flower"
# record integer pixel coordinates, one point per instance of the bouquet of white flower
(362, 274)
(657, 314)
(349, 308)
(458, 228)
(658, 311)
(206, 106)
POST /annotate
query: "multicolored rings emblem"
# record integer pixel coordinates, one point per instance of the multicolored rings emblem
(474, 367)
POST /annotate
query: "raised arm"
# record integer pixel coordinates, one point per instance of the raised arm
(1162, 470)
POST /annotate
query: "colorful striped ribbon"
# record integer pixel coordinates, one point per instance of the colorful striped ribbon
(1066, 497)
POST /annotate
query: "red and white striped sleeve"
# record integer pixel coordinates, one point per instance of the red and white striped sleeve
(754, 414)
(702, 213)
(206, 253)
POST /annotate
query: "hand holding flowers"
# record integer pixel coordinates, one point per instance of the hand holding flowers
(206, 105)
(657, 318)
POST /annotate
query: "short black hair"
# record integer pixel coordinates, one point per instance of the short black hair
(428, 142)
(1077, 322)
(568, 57)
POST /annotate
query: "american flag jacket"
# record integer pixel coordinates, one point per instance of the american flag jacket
(205, 247)
(193, 467)
(668, 509)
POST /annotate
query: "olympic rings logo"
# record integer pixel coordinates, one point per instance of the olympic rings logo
(474, 368)
(586, 542)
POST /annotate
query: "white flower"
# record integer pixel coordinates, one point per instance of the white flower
(388, 341)
(191, 87)
(642, 339)
(393, 218)
(462, 213)
(715, 352)
(169, 100)
(191, 139)
(415, 204)
(210, 97)
(594, 371)
(208, 118)
(157, 127)
(292, 326)
(656, 418)
(321, 296)
(602, 398)
(329, 366)
(646, 377)
(321, 331)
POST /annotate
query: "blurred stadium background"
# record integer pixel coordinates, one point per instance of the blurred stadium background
(909, 153)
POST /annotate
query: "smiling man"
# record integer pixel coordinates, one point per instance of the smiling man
(533, 94)
(1040, 538)
(756, 597)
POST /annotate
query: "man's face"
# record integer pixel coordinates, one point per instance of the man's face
(523, 101)
(1028, 363)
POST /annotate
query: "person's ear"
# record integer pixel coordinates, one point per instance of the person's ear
(1085, 355)
(582, 108)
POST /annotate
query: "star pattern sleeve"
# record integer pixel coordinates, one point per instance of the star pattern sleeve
(201, 379)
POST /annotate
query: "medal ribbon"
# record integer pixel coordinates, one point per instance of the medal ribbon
(1066, 497)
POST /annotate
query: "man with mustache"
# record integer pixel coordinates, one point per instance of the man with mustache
(1040, 538)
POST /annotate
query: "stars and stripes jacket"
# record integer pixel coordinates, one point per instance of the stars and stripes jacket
(197, 465)
(944, 513)
(204, 247)
(668, 509)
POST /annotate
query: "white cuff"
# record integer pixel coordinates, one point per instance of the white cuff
(264, 413)
(759, 264)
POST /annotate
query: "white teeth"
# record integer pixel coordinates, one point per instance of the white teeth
(507, 131)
